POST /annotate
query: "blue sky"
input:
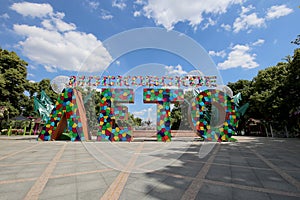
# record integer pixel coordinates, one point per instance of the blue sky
(58, 37)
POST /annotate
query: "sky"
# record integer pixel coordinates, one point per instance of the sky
(240, 37)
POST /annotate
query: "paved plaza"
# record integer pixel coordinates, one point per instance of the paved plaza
(252, 168)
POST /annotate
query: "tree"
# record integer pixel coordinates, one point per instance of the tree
(180, 113)
(274, 94)
(297, 40)
(32, 90)
(35, 89)
(291, 88)
(13, 74)
(148, 122)
(46, 86)
(136, 120)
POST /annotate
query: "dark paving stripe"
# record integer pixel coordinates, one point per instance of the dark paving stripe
(192, 191)
(278, 170)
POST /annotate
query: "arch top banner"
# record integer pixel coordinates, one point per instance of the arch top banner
(148, 81)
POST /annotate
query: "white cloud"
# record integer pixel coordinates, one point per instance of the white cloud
(146, 114)
(57, 24)
(209, 23)
(4, 16)
(247, 9)
(106, 14)
(258, 42)
(93, 4)
(48, 24)
(107, 17)
(278, 11)
(32, 67)
(57, 45)
(119, 4)
(219, 54)
(140, 2)
(32, 9)
(169, 12)
(171, 70)
(240, 56)
(118, 62)
(227, 27)
(50, 68)
(246, 21)
(195, 73)
(140, 113)
(137, 13)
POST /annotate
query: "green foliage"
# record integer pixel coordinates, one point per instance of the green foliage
(90, 99)
(13, 85)
(180, 113)
(46, 86)
(297, 40)
(136, 120)
(274, 94)
(13, 74)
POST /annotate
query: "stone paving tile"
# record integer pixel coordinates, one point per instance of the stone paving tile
(216, 192)
(190, 169)
(64, 168)
(109, 177)
(286, 165)
(239, 171)
(23, 174)
(91, 194)
(222, 160)
(165, 192)
(91, 185)
(70, 196)
(15, 190)
(13, 195)
(209, 191)
(87, 166)
(150, 177)
(219, 173)
(295, 174)
(60, 181)
(272, 180)
(52, 191)
(239, 194)
(255, 162)
(132, 195)
(139, 185)
(88, 177)
(281, 197)
(245, 176)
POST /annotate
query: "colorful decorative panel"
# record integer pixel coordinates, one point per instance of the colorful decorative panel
(110, 113)
(163, 98)
(67, 113)
(201, 115)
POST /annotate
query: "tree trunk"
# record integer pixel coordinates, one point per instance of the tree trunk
(266, 131)
(271, 130)
(286, 131)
